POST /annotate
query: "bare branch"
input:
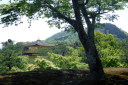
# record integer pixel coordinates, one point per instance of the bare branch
(99, 13)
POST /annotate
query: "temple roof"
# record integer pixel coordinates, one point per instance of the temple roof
(38, 43)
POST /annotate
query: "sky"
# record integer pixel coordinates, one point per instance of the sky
(40, 29)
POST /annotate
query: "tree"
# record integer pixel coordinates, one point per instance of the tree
(4, 44)
(75, 13)
(108, 49)
(9, 54)
(124, 44)
(10, 57)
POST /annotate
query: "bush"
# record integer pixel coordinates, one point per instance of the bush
(19, 64)
(67, 62)
(3, 69)
(15, 69)
(44, 64)
(110, 61)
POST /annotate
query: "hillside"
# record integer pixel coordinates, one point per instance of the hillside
(70, 37)
(112, 29)
(63, 36)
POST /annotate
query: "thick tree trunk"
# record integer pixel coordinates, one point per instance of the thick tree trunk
(94, 62)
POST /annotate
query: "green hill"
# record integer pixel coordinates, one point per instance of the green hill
(70, 37)
(112, 29)
(65, 37)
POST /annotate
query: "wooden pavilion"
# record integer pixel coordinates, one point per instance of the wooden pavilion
(33, 47)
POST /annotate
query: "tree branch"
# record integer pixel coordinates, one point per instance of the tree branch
(60, 15)
(84, 12)
(84, 3)
(90, 25)
(77, 13)
(99, 13)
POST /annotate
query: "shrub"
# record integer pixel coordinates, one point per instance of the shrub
(44, 64)
(110, 61)
(67, 62)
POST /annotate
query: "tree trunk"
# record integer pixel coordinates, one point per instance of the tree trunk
(94, 62)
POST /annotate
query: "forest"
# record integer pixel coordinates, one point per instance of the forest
(68, 53)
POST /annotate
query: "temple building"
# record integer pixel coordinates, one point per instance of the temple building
(33, 47)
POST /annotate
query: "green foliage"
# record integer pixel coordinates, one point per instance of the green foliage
(110, 61)
(124, 49)
(112, 54)
(81, 53)
(9, 45)
(109, 28)
(15, 69)
(43, 51)
(44, 64)
(70, 37)
(109, 49)
(21, 64)
(37, 8)
(3, 69)
(72, 51)
(17, 64)
(73, 13)
(60, 48)
(63, 37)
(67, 62)
(10, 59)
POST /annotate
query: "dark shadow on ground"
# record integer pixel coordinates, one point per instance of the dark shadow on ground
(62, 77)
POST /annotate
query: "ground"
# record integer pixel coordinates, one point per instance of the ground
(114, 76)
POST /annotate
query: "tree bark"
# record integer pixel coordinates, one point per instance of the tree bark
(94, 62)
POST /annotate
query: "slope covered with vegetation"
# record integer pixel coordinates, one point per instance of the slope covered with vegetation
(71, 37)
(63, 36)
(109, 28)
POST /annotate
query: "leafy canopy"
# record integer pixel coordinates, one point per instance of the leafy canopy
(58, 11)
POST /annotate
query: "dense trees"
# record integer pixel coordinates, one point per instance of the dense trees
(63, 37)
(108, 49)
(9, 56)
(73, 12)
(112, 29)
(112, 52)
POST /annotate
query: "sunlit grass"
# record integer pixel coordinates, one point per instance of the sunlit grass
(121, 72)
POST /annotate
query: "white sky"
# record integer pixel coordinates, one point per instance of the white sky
(40, 29)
